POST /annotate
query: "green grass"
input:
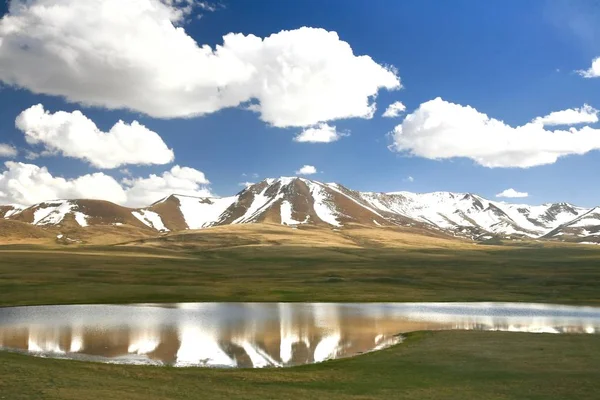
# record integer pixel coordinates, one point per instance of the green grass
(442, 365)
(559, 275)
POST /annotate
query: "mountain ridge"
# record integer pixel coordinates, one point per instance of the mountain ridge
(295, 201)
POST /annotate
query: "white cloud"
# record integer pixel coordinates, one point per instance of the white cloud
(74, 135)
(179, 180)
(8, 151)
(512, 193)
(394, 110)
(442, 130)
(321, 133)
(186, 7)
(133, 55)
(584, 115)
(306, 170)
(246, 184)
(29, 184)
(31, 155)
(593, 71)
(410, 179)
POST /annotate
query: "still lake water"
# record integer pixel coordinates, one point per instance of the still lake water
(255, 335)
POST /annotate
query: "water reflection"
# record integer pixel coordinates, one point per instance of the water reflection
(260, 335)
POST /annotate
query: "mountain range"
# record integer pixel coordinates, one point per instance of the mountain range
(297, 202)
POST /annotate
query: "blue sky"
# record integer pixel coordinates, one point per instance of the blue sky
(512, 60)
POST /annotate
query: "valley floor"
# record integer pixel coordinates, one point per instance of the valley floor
(128, 274)
(440, 365)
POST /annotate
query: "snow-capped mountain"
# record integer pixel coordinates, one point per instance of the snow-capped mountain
(473, 215)
(75, 213)
(585, 228)
(300, 201)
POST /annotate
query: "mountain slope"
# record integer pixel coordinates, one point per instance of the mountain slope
(472, 215)
(15, 232)
(77, 213)
(10, 210)
(584, 229)
(298, 201)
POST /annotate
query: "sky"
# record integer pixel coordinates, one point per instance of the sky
(130, 101)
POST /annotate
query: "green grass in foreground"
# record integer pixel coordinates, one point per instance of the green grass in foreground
(441, 365)
(278, 273)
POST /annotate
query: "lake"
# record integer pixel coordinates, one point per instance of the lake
(256, 335)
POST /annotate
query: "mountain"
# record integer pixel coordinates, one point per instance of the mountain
(77, 213)
(473, 216)
(10, 210)
(584, 229)
(298, 201)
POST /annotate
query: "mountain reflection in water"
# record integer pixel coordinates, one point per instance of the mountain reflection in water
(255, 335)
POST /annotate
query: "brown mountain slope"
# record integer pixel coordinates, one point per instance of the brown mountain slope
(20, 232)
(169, 210)
(92, 212)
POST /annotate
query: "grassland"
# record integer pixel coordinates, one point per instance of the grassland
(268, 265)
(221, 267)
(442, 365)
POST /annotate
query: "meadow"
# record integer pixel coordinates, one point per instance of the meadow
(428, 365)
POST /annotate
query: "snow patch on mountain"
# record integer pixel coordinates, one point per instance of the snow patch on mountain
(203, 212)
(81, 219)
(323, 206)
(286, 214)
(52, 213)
(260, 202)
(591, 218)
(150, 219)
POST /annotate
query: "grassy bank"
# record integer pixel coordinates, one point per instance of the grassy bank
(565, 274)
(441, 365)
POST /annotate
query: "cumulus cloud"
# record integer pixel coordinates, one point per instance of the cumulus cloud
(394, 110)
(186, 7)
(29, 184)
(135, 55)
(442, 130)
(321, 133)
(584, 115)
(593, 71)
(246, 184)
(7, 151)
(410, 179)
(512, 193)
(179, 180)
(306, 170)
(74, 135)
